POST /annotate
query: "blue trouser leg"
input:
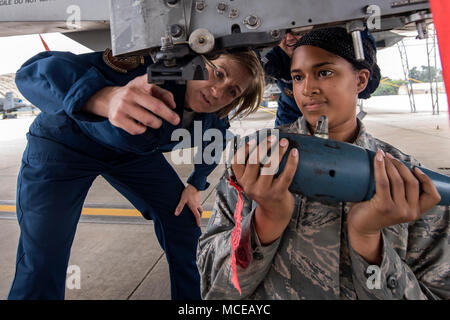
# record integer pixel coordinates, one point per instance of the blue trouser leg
(52, 185)
(154, 188)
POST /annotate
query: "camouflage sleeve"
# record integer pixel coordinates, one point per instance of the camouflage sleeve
(214, 250)
(424, 272)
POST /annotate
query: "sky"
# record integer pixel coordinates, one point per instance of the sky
(390, 62)
(14, 51)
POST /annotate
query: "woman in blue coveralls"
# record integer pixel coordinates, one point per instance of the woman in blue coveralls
(101, 117)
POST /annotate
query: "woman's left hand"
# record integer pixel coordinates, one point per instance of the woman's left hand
(397, 200)
(191, 197)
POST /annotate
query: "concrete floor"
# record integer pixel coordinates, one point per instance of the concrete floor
(120, 258)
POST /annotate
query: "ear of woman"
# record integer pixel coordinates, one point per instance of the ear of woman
(363, 76)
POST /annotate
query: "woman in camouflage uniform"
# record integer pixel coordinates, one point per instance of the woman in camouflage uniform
(394, 246)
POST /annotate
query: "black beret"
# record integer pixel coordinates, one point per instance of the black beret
(339, 42)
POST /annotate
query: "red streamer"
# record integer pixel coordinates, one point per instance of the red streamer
(236, 235)
(44, 44)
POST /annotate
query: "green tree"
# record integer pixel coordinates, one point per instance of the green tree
(388, 87)
(384, 89)
(423, 74)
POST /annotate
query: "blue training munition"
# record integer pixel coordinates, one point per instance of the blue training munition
(330, 170)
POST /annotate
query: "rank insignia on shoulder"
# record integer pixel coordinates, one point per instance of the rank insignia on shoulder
(288, 92)
(122, 64)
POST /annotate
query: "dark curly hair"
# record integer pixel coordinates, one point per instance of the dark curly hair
(339, 42)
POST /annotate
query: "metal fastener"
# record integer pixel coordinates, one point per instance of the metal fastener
(176, 30)
(221, 7)
(252, 22)
(234, 13)
(200, 5)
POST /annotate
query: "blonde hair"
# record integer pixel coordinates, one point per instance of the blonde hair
(251, 98)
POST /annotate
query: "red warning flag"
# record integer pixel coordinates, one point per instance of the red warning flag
(441, 11)
(236, 235)
(45, 44)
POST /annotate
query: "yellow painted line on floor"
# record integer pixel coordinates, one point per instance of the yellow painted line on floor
(206, 214)
(103, 212)
(8, 208)
(110, 212)
(267, 110)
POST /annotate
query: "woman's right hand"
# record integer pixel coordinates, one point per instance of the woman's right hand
(397, 200)
(135, 106)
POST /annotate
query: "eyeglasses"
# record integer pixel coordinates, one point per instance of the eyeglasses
(295, 32)
(209, 63)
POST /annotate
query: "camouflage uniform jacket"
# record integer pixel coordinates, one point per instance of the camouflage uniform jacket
(313, 258)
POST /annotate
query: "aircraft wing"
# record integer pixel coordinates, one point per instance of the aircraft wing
(139, 25)
(85, 21)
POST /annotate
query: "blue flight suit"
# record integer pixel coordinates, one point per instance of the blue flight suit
(277, 65)
(68, 148)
